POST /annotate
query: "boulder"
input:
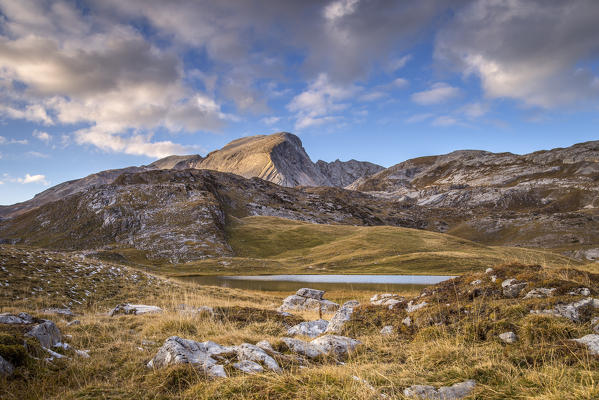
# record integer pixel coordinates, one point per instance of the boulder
(20, 318)
(265, 345)
(454, 392)
(591, 342)
(342, 316)
(176, 350)
(308, 299)
(249, 367)
(540, 293)
(309, 328)
(47, 333)
(254, 353)
(306, 349)
(6, 368)
(512, 288)
(338, 346)
(508, 337)
(135, 309)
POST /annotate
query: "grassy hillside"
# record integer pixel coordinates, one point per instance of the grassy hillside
(275, 245)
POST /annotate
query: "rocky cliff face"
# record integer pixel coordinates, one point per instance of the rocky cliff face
(344, 173)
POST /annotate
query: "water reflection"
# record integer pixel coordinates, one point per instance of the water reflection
(287, 283)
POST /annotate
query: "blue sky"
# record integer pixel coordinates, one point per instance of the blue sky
(90, 85)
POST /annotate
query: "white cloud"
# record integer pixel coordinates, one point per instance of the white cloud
(135, 144)
(4, 140)
(475, 110)
(37, 154)
(339, 9)
(439, 92)
(419, 118)
(534, 51)
(400, 82)
(97, 73)
(398, 63)
(270, 120)
(320, 102)
(41, 135)
(444, 120)
(33, 179)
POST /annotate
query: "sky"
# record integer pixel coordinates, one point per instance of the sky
(89, 85)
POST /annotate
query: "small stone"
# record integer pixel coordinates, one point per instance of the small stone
(508, 337)
(74, 322)
(580, 292)
(476, 282)
(407, 321)
(540, 293)
(387, 330)
(489, 271)
(247, 351)
(413, 307)
(454, 392)
(493, 278)
(512, 288)
(58, 311)
(135, 309)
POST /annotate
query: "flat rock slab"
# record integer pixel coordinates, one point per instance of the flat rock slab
(309, 328)
(540, 293)
(454, 392)
(310, 293)
(58, 311)
(47, 333)
(338, 346)
(135, 309)
(579, 311)
(386, 299)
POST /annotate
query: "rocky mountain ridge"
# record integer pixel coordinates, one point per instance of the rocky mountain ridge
(279, 158)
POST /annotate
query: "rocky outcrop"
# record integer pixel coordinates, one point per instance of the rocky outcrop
(134, 309)
(20, 318)
(591, 342)
(579, 311)
(308, 299)
(389, 300)
(454, 392)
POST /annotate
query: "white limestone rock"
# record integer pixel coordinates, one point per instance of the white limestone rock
(580, 292)
(454, 392)
(338, 346)
(309, 328)
(135, 309)
(176, 350)
(387, 330)
(247, 351)
(308, 299)
(413, 307)
(58, 311)
(591, 342)
(306, 349)
(249, 367)
(508, 337)
(539, 293)
(342, 316)
(20, 318)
